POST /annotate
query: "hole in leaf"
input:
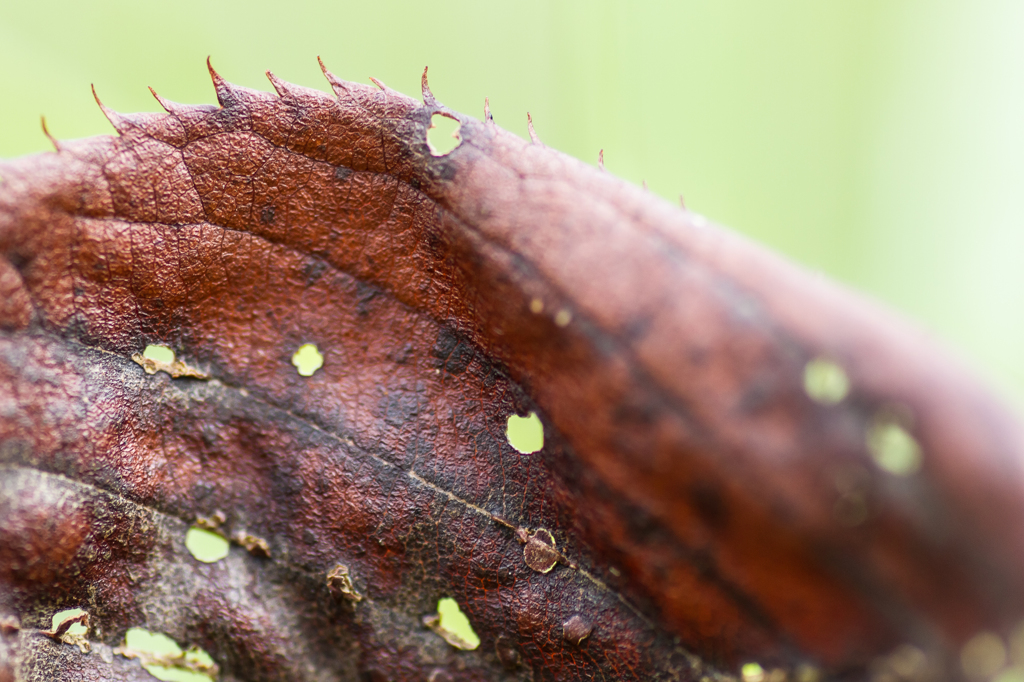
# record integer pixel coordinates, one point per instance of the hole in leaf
(893, 449)
(752, 672)
(161, 354)
(61, 616)
(307, 359)
(164, 659)
(451, 624)
(825, 381)
(205, 545)
(443, 135)
(525, 434)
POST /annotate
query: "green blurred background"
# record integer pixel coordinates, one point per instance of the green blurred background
(879, 141)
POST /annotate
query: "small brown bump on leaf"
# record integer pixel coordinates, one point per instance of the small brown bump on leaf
(507, 652)
(577, 629)
(253, 544)
(9, 625)
(339, 580)
(440, 675)
(213, 521)
(539, 550)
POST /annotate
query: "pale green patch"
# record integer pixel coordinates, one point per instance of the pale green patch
(454, 621)
(61, 616)
(164, 659)
(307, 359)
(893, 449)
(825, 381)
(205, 545)
(525, 434)
(161, 354)
(752, 672)
(442, 135)
(152, 643)
(1014, 674)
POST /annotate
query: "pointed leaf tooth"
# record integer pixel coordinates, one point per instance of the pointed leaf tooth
(51, 138)
(600, 159)
(178, 109)
(428, 96)
(488, 118)
(533, 133)
(225, 90)
(283, 88)
(118, 121)
(331, 78)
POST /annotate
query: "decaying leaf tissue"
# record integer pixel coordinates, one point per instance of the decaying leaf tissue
(746, 472)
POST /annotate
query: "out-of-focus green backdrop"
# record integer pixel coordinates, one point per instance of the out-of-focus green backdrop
(880, 141)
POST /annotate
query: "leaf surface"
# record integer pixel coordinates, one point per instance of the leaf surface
(696, 505)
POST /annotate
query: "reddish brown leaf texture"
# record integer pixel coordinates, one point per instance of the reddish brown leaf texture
(694, 507)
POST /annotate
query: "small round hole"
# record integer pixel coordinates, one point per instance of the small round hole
(161, 354)
(752, 672)
(205, 545)
(454, 622)
(164, 659)
(443, 135)
(307, 359)
(825, 381)
(61, 616)
(893, 449)
(525, 434)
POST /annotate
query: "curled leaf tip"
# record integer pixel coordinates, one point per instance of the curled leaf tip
(428, 96)
(529, 125)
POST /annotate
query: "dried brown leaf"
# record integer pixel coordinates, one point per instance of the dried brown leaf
(695, 506)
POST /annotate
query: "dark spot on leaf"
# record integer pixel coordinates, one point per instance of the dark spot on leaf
(267, 215)
(313, 270)
(342, 173)
(707, 499)
(364, 294)
(400, 407)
